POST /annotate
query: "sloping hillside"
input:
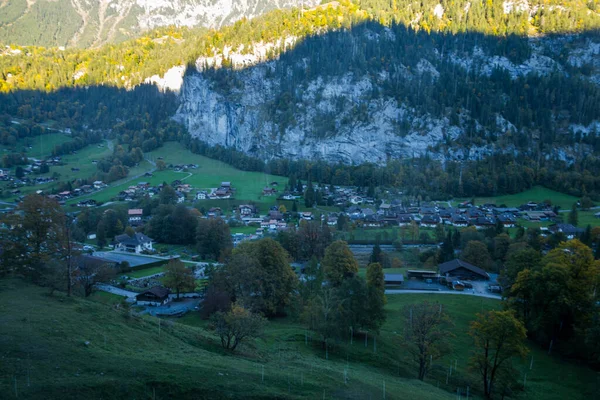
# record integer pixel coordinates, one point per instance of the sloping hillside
(43, 341)
(55, 347)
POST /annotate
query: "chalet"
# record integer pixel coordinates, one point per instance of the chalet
(393, 279)
(385, 207)
(474, 212)
(156, 296)
(459, 220)
(445, 215)
(133, 244)
(356, 200)
(428, 211)
(430, 221)
(268, 191)
(185, 188)
(374, 221)
(214, 212)
(405, 219)
(458, 269)
(201, 195)
(332, 220)
(99, 184)
(507, 220)
(484, 223)
(245, 209)
(222, 193)
(306, 215)
(180, 197)
(135, 216)
(276, 215)
(570, 231)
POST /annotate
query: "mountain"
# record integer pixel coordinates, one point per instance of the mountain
(374, 93)
(84, 23)
(360, 82)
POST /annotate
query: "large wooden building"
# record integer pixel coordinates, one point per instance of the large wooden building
(458, 269)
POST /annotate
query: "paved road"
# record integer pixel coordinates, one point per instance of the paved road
(486, 295)
(115, 290)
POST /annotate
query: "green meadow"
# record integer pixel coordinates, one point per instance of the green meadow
(73, 348)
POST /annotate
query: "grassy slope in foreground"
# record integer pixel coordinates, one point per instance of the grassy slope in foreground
(44, 337)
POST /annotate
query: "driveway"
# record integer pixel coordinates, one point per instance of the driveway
(467, 292)
(173, 308)
(115, 290)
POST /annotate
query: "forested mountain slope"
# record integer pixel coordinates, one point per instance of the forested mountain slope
(373, 92)
(86, 23)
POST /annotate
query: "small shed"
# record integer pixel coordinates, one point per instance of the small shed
(393, 279)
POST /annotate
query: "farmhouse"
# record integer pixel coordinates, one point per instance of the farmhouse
(135, 216)
(569, 230)
(458, 269)
(156, 296)
(246, 209)
(267, 191)
(133, 244)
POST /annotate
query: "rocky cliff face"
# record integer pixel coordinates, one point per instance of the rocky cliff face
(344, 118)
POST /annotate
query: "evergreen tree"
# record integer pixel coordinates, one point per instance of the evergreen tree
(573, 215)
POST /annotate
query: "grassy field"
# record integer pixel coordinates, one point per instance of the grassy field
(44, 343)
(82, 160)
(41, 146)
(537, 194)
(211, 173)
(146, 272)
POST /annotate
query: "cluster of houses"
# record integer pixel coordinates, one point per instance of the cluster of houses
(429, 215)
(338, 195)
(182, 167)
(82, 190)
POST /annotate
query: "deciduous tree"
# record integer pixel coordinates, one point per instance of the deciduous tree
(338, 263)
(498, 336)
(426, 334)
(237, 325)
(179, 277)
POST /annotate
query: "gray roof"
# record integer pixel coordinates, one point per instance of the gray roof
(137, 239)
(455, 264)
(393, 278)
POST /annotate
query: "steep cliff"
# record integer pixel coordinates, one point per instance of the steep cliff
(384, 103)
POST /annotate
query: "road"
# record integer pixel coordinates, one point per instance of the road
(486, 295)
(115, 290)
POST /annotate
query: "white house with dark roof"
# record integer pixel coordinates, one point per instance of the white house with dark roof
(133, 244)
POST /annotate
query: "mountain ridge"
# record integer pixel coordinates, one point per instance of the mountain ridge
(83, 23)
